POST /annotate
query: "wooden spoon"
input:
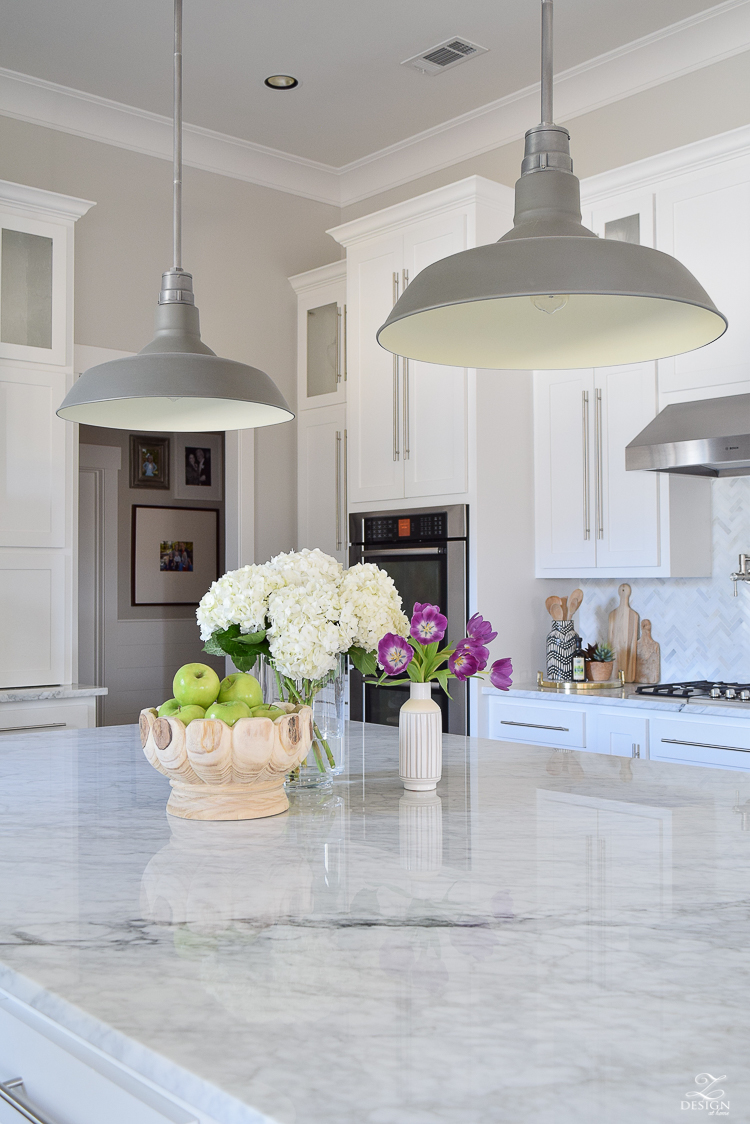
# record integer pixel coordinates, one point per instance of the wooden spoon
(556, 612)
(574, 602)
(551, 603)
(564, 602)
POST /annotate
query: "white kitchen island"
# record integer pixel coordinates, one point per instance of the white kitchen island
(554, 937)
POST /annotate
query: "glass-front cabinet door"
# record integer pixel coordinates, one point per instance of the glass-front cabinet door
(321, 336)
(33, 274)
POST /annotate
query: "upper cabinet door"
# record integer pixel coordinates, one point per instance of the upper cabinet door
(434, 396)
(705, 223)
(626, 504)
(321, 337)
(34, 311)
(374, 392)
(564, 468)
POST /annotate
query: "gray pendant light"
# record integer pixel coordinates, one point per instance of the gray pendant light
(550, 294)
(176, 382)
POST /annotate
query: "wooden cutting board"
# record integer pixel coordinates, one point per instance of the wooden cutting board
(623, 635)
(648, 661)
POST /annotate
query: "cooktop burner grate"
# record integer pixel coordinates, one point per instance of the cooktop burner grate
(698, 688)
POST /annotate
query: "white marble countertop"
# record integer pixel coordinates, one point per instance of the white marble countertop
(60, 691)
(557, 937)
(622, 697)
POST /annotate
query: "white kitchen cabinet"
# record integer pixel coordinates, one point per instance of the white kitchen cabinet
(321, 336)
(321, 480)
(619, 734)
(704, 221)
(38, 471)
(408, 421)
(720, 743)
(592, 517)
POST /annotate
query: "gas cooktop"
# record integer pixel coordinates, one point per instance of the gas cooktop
(702, 690)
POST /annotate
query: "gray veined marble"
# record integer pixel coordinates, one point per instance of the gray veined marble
(61, 691)
(553, 937)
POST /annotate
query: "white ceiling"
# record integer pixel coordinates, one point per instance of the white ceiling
(354, 98)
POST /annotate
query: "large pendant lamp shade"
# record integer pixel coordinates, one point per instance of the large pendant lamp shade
(551, 294)
(176, 382)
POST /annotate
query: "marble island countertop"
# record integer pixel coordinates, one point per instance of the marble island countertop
(555, 937)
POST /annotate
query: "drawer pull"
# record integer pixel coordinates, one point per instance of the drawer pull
(41, 726)
(7, 1094)
(533, 725)
(705, 745)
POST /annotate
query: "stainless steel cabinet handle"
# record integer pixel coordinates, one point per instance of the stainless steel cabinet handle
(705, 745)
(396, 453)
(405, 369)
(338, 489)
(585, 433)
(533, 725)
(346, 488)
(599, 473)
(635, 750)
(7, 1094)
(338, 343)
(40, 726)
(344, 346)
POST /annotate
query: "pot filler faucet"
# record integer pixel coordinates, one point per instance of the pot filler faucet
(743, 574)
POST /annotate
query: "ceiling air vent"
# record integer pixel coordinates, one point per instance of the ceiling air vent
(444, 56)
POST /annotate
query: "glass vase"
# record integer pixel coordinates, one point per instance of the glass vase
(327, 696)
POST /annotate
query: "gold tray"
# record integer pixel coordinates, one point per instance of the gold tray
(570, 686)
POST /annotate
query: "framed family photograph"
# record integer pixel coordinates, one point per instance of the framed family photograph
(149, 462)
(198, 466)
(174, 554)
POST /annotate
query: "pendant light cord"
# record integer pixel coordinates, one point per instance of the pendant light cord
(177, 140)
(547, 115)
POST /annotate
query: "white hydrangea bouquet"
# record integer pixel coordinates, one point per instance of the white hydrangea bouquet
(300, 612)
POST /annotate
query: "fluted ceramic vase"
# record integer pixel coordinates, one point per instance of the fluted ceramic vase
(420, 740)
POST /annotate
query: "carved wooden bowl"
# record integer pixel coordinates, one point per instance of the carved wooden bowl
(221, 772)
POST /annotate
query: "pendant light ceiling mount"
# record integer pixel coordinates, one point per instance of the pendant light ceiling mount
(176, 383)
(551, 294)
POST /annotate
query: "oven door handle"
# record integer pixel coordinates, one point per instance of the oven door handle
(421, 551)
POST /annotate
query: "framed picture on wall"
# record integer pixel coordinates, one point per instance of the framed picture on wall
(174, 554)
(149, 461)
(198, 466)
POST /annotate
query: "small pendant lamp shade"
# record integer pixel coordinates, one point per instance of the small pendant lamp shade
(550, 294)
(176, 382)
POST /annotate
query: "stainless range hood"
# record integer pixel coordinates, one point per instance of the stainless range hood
(706, 438)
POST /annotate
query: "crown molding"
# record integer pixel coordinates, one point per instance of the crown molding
(473, 189)
(21, 197)
(693, 43)
(686, 160)
(323, 275)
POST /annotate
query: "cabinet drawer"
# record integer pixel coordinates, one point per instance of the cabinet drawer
(73, 714)
(539, 724)
(701, 743)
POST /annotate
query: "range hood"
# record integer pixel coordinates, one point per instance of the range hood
(706, 438)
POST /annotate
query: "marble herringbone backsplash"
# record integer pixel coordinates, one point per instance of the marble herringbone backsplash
(703, 630)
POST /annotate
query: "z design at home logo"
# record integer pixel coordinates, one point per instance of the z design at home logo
(707, 1096)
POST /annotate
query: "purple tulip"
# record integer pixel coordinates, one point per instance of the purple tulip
(394, 653)
(463, 663)
(480, 629)
(428, 624)
(500, 674)
(477, 649)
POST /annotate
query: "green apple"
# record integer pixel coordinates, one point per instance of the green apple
(168, 709)
(188, 714)
(196, 684)
(242, 687)
(267, 710)
(229, 712)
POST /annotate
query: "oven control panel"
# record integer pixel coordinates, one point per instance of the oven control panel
(406, 528)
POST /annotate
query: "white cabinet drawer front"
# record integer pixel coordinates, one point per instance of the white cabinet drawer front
(701, 743)
(540, 725)
(73, 714)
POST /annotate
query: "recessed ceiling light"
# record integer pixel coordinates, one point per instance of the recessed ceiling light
(281, 82)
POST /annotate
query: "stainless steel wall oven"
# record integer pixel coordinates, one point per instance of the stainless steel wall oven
(425, 552)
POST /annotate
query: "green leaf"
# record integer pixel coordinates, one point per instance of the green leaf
(252, 638)
(365, 662)
(414, 673)
(213, 647)
(442, 678)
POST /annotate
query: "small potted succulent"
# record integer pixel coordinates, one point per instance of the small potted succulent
(600, 660)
